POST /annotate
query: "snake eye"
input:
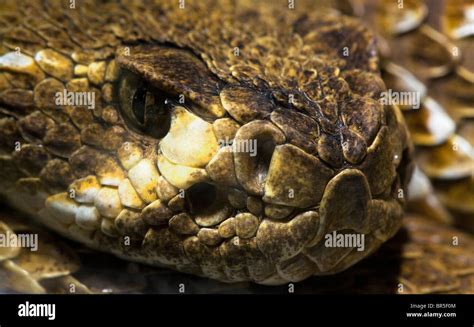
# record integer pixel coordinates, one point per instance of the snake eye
(139, 103)
(144, 107)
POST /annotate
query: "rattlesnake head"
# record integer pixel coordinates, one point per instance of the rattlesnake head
(224, 143)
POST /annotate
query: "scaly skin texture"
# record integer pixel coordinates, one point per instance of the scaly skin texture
(428, 48)
(421, 258)
(150, 180)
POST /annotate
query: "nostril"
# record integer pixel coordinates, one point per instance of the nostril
(264, 150)
(251, 167)
(200, 197)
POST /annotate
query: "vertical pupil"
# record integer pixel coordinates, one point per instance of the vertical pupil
(138, 104)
